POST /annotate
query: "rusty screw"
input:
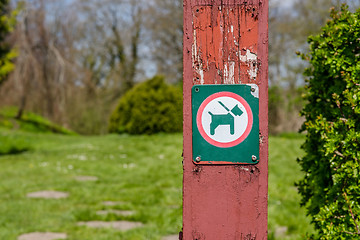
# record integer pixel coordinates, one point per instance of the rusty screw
(254, 158)
(253, 89)
(198, 159)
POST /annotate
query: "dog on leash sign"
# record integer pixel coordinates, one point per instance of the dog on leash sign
(225, 122)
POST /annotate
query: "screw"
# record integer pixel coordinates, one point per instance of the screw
(198, 159)
(197, 89)
(253, 89)
(254, 158)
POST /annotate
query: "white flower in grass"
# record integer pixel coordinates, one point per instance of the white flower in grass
(43, 164)
(129, 165)
(82, 157)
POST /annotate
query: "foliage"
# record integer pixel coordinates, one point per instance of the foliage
(29, 122)
(150, 107)
(331, 186)
(10, 144)
(7, 23)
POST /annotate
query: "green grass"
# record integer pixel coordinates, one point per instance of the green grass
(142, 172)
(284, 201)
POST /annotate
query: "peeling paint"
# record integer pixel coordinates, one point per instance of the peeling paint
(224, 33)
(229, 73)
(201, 73)
(244, 168)
(251, 60)
(197, 61)
(248, 56)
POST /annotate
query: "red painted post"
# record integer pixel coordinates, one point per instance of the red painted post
(225, 42)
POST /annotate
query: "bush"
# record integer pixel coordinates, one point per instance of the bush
(13, 145)
(150, 107)
(331, 186)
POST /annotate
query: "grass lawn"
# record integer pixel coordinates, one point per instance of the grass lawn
(286, 219)
(142, 173)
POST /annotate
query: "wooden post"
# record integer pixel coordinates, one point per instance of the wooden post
(225, 42)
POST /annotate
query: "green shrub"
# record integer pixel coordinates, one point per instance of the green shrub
(331, 186)
(150, 107)
(13, 145)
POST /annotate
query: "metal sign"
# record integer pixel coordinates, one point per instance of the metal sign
(225, 124)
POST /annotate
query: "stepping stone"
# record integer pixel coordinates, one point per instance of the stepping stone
(42, 236)
(171, 237)
(118, 225)
(281, 231)
(116, 212)
(48, 195)
(111, 203)
(86, 178)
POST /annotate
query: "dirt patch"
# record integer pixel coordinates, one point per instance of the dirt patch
(86, 178)
(171, 237)
(42, 236)
(116, 212)
(118, 225)
(48, 195)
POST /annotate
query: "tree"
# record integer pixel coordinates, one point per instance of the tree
(285, 69)
(40, 77)
(108, 38)
(330, 188)
(81, 59)
(164, 22)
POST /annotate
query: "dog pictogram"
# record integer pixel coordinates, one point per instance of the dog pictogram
(225, 119)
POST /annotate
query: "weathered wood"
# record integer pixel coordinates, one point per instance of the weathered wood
(225, 42)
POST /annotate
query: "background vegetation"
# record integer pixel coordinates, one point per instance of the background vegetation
(76, 58)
